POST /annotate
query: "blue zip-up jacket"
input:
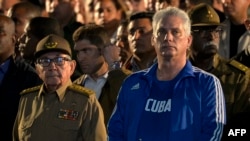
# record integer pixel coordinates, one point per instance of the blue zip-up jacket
(197, 107)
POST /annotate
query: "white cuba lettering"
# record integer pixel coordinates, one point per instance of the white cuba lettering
(153, 105)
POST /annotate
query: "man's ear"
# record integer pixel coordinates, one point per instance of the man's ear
(190, 40)
(73, 66)
(153, 40)
(14, 40)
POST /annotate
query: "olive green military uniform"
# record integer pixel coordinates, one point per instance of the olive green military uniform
(235, 81)
(72, 113)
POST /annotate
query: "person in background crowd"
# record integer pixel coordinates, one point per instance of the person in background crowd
(79, 9)
(191, 3)
(37, 28)
(150, 5)
(136, 6)
(244, 42)
(236, 12)
(91, 43)
(139, 38)
(57, 109)
(89, 11)
(218, 7)
(161, 4)
(172, 100)
(112, 56)
(5, 5)
(234, 76)
(89, 7)
(121, 41)
(182, 4)
(15, 75)
(109, 13)
(63, 12)
(40, 4)
(21, 13)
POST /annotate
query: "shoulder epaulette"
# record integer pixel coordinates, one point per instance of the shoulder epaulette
(80, 89)
(127, 72)
(29, 90)
(238, 65)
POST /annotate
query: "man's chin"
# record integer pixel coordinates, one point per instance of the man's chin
(207, 55)
(210, 50)
(53, 80)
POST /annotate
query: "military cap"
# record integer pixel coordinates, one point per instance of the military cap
(204, 15)
(52, 43)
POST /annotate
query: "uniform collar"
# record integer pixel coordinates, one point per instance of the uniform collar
(60, 92)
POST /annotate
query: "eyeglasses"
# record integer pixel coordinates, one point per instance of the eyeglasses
(202, 32)
(59, 61)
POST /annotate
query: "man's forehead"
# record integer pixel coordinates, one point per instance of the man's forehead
(53, 54)
(85, 43)
(205, 27)
(140, 23)
(169, 24)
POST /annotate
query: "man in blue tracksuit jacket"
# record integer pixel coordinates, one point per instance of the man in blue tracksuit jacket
(154, 105)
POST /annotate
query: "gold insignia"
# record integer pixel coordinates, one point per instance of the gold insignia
(82, 90)
(51, 45)
(238, 65)
(29, 90)
(209, 15)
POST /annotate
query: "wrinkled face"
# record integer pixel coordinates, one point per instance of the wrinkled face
(89, 57)
(235, 8)
(170, 38)
(105, 12)
(55, 69)
(205, 40)
(139, 35)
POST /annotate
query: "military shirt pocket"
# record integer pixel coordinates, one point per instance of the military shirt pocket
(66, 124)
(25, 126)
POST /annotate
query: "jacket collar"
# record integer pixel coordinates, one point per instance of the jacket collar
(187, 71)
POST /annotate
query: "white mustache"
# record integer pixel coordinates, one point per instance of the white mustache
(210, 43)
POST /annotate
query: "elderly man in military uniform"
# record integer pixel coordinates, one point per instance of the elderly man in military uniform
(58, 110)
(233, 75)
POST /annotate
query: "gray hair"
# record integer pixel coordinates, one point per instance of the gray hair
(172, 11)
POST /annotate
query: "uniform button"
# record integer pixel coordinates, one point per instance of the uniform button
(139, 139)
